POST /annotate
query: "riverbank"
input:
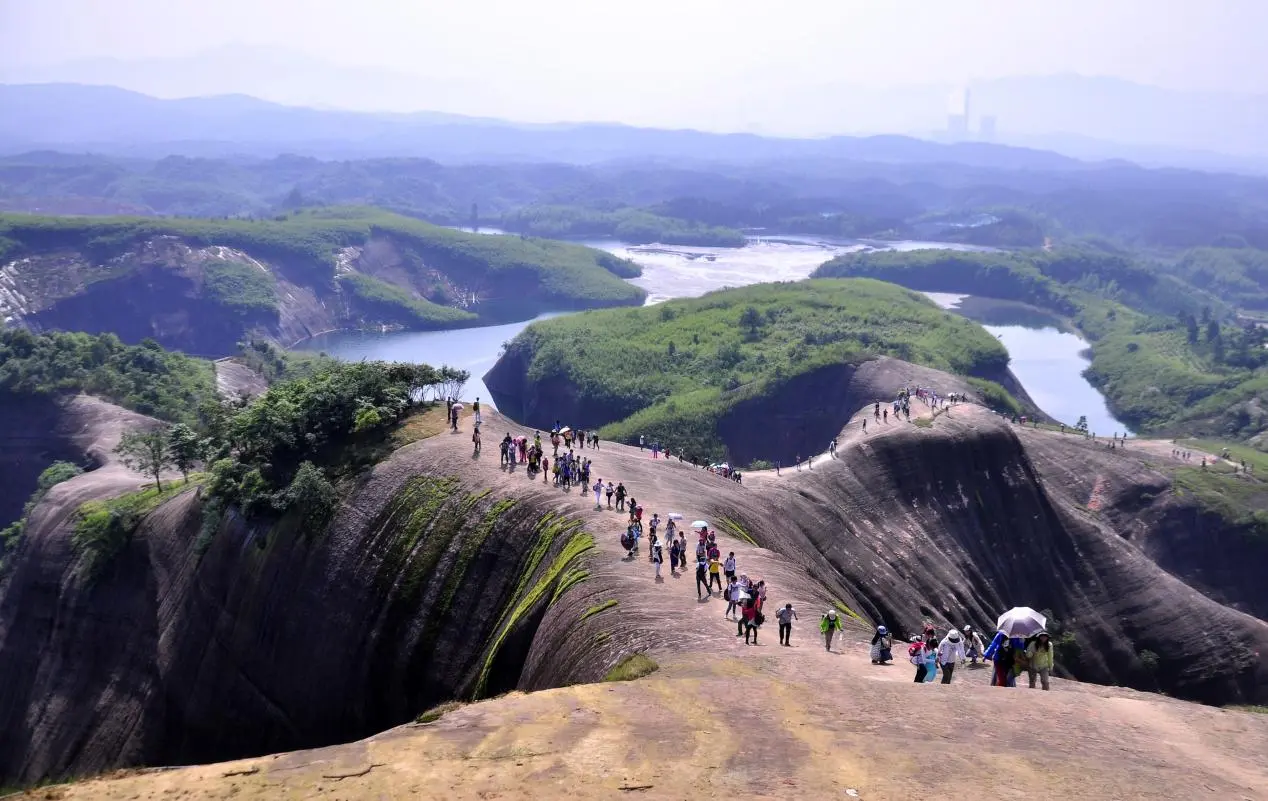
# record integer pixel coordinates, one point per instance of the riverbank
(1163, 366)
(1047, 356)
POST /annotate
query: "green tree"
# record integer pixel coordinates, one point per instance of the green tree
(1191, 326)
(751, 318)
(184, 448)
(1082, 424)
(310, 493)
(145, 452)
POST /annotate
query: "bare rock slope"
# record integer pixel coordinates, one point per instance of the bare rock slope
(445, 576)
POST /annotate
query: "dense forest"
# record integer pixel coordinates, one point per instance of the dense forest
(829, 197)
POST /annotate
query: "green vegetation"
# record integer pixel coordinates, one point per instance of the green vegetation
(145, 452)
(1162, 355)
(634, 666)
(671, 371)
(393, 304)
(551, 529)
(626, 224)
(241, 288)
(274, 364)
(1256, 460)
(590, 612)
(259, 452)
(437, 712)
(733, 528)
(847, 611)
(303, 244)
(995, 396)
(11, 535)
(1240, 499)
(103, 529)
(144, 378)
(1238, 276)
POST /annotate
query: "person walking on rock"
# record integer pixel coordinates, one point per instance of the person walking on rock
(702, 577)
(1039, 656)
(973, 647)
(829, 625)
(715, 574)
(1004, 657)
(658, 557)
(609, 490)
(882, 645)
(921, 653)
(786, 617)
(732, 597)
(598, 490)
(753, 618)
(728, 567)
(950, 654)
(620, 497)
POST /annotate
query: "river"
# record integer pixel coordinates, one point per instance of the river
(1046, 359)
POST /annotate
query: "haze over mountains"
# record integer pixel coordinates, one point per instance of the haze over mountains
(1082, 117)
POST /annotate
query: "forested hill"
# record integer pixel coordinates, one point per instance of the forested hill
(202, 284)
(1170, 356)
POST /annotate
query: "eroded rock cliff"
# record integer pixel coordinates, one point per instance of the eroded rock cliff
(444, 576)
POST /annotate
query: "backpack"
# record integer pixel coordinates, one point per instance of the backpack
(759, 618)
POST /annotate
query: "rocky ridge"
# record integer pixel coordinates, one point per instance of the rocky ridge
(407, 600)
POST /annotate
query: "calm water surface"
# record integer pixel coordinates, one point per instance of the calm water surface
(1047, 360)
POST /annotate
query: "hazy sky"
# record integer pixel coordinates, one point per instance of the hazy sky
(564, 59)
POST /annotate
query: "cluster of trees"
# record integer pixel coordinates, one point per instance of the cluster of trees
(145, 377)
(273, 453)
(1241, 347)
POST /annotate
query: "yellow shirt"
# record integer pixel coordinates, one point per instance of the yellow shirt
(714, 566)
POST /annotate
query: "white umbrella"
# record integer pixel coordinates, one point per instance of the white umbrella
(699, 524)
(458, 407)
(1021, 621)
(744, 596)
(675, 516)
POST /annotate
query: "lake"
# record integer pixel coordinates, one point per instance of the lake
(669, 271)
(1047, 358)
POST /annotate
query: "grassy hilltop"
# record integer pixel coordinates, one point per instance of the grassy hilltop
(201, 285)
(671, 371)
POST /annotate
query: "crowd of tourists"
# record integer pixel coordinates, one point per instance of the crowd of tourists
(719, 577)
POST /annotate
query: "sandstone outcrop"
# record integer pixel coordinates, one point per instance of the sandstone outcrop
(443, 576)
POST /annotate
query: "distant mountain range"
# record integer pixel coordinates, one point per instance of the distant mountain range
(1085, 117)
(71, 117)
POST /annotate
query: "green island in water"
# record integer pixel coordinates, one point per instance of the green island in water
(679, 371)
